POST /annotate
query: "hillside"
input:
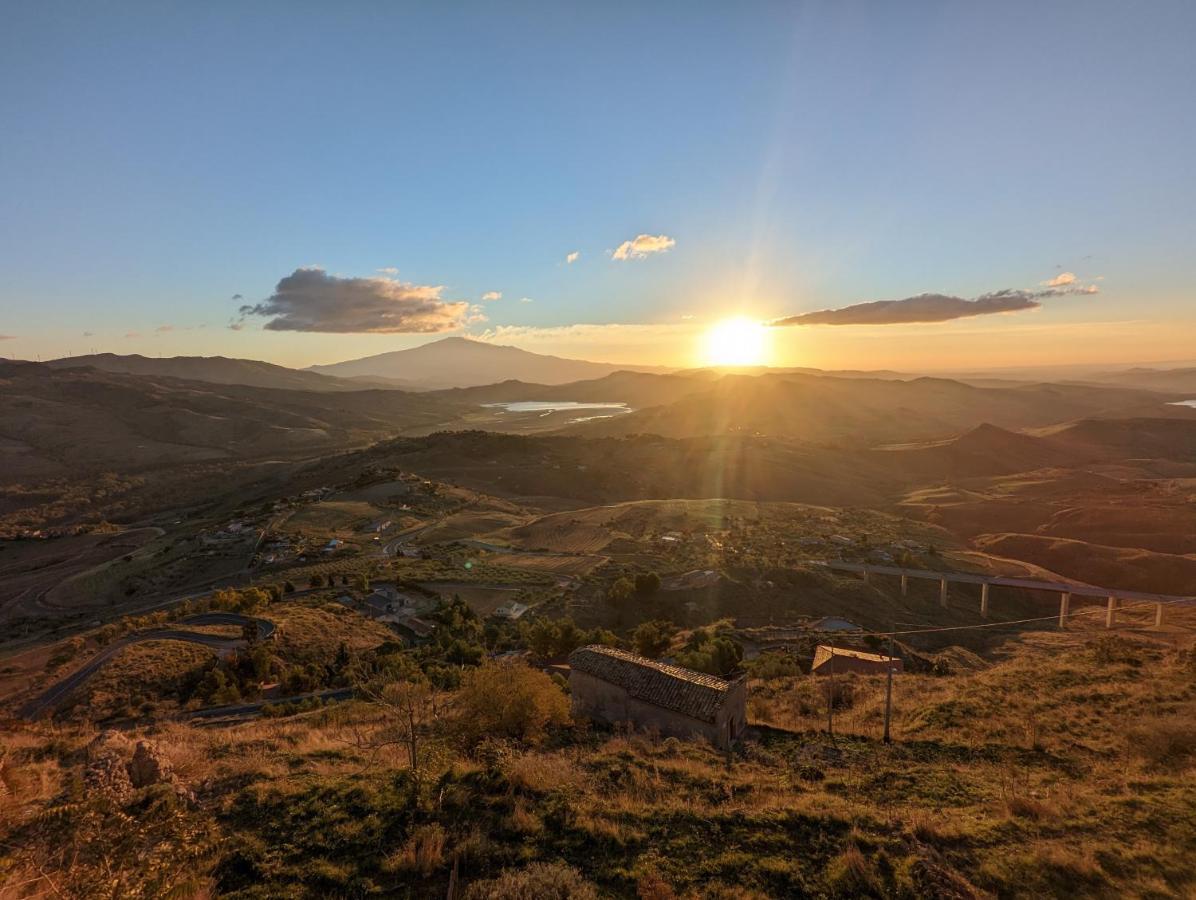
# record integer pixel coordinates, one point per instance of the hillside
(59, 421)
(464, 362)
(827, 409)
(215, 369)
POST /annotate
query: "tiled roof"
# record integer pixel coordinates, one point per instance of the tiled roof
(691, 693)
(823, 653)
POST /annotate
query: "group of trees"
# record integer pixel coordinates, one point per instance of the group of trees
(549, 638)
(712, 653)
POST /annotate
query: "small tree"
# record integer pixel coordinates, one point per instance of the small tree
(317, 580)
(509, 700)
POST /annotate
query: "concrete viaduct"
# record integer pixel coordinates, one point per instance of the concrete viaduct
(1066, 591)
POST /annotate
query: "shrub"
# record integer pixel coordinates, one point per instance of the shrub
(423, 853)
(509, 700)
(539, 881)
(1165, 743)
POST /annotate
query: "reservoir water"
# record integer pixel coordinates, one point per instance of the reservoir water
(546, 407)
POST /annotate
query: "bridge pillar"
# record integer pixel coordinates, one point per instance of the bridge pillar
(984, 600)
(943, 593)
(904, 585)
(1158, 615)
(1064, 608)
(1111, 612)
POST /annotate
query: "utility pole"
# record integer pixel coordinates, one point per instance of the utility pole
(889, 689)
(830, 697)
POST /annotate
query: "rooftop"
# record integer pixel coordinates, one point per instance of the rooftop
(691, 693)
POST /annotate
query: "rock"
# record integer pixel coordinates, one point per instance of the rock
(108, 743)
(107, 773)
(149, 766)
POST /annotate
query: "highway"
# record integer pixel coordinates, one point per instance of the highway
(58, 692)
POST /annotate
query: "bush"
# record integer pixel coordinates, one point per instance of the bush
(539, 881)
(509, 700)
(1165, 743)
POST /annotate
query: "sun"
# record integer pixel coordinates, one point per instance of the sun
(737, 342)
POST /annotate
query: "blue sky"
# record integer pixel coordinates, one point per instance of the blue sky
(159, 159)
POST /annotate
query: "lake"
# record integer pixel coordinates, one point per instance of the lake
(546, 407)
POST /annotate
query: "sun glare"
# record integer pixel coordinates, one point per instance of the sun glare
(737, 342)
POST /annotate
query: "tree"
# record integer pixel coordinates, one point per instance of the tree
(647, 583)
(716, 656)
(410, 707)
(288, 587)
(509, 700)
(653, 639)
(317, 580)
(620, 591)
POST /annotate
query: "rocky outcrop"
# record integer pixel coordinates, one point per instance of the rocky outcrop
(107, 771)
(150, 766)
(117, 768)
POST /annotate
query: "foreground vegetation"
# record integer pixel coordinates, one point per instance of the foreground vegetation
(1063, 768)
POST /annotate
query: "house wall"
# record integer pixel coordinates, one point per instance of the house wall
(597, 699)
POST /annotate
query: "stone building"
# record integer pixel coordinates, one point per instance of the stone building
(616, 686)
(842, 661)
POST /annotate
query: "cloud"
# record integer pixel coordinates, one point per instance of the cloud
(312, 300)
(643, 245)
(1060, 280)
(238, 297)
(132, 334)
(573, 257)
(8, 337)
(89, 334)
(235, 325)
(389, 270)
(526, 300)
(934, 307)
(162, 329)
(492, 295)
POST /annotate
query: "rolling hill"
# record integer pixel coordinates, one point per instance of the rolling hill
(463, 362)
(73, 421)
(214, 369)
(866, 412)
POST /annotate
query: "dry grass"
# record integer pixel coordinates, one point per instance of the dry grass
(1002, 780)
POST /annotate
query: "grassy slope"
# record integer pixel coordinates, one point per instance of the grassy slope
(1064, 769)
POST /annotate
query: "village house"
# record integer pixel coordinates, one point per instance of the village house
(840, 661)
(613, 686)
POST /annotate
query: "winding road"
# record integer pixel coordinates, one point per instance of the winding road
(58, 692)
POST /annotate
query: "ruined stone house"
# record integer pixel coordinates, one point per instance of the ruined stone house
(841, 660)
(615, 686)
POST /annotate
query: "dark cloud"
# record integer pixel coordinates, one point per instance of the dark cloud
(8, 337)
(162, 329)
(313, 300)
(238, 297)
(933, 307)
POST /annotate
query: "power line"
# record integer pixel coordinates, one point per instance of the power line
(1051, 618)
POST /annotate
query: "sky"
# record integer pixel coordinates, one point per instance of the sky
(310, 182)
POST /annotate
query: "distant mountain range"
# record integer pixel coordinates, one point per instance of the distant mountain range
(458, 362)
